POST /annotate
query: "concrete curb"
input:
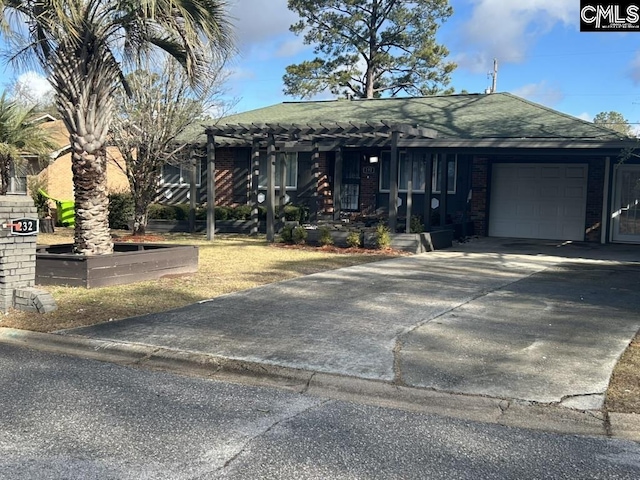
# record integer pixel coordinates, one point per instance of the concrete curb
(513, 413)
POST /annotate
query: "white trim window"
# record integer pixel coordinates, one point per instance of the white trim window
(18, 179)
(452, 175)
(404, 166)
(292, 170)
(180, 175)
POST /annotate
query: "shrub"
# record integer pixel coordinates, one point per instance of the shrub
(241, 212)
(416, 224)
(42, 204)
(161, 212)
(299, 235)
(383, 237)
(353, 239)
(120, 210)
(325, 236)
(201, 213)
(221, 213)
(182, 211)
(286, 235)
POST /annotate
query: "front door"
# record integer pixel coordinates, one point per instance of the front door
(350, 193)
(626, 211)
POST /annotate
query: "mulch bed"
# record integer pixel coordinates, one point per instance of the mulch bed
(389, 252)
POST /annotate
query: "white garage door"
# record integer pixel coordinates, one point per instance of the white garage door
(533, 200)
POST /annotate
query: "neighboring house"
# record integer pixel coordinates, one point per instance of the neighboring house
(57, 178)
(512, 167)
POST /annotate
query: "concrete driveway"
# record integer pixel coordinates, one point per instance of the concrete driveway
(504, 318)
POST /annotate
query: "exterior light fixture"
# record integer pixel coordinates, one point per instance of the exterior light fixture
(373, 159)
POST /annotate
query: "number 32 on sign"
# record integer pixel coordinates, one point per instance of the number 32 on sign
(22, 226)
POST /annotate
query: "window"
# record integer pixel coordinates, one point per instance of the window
(436, 179)
(292, 170)
(418, 169)
(18, 179)
(180, 175)
(405, 166)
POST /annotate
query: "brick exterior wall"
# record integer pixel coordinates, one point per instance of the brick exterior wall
(368, 186)
(224, 177)
(480, 194)
(17, 253)
(325, 189)
(595, 190)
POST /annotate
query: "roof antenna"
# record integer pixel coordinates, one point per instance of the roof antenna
(494, 76)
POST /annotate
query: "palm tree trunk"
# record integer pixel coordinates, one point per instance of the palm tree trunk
(5, 166)
(92, 234)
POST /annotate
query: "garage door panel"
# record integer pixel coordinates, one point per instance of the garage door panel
(550, 191)
(550, 172)
(546, 201)
(526, 191)
(574, 192)
(526, 172)
(575, 172)
(524, 210)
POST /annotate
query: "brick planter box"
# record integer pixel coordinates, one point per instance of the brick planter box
(130, 263)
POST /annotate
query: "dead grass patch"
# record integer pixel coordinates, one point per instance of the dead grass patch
(623, 394)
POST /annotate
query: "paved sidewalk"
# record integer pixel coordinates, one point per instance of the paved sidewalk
(500, 318)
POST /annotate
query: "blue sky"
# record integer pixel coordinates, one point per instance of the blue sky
(542, 55)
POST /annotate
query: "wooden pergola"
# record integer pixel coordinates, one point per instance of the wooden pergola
(325, 136)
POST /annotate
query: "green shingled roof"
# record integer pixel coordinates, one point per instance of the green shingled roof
(498, 115)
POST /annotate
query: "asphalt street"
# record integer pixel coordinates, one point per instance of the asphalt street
(65, 417)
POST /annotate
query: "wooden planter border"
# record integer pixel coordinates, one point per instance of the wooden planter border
(130, 263)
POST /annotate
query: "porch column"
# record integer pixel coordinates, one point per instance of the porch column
(211, 187)
(427, 158)
(337, 185)
(407, 228)
(283, 189)
(193, 192)
(271, 188)
(605, 202)
(444, 186)
(315, 168)
(393, 183)
(255, 181)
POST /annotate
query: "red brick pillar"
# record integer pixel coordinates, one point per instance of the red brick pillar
(479, 195)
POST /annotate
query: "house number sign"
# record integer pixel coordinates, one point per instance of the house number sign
(368, 170)
(22, 226)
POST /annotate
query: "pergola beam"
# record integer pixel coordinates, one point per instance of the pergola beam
(346, 133)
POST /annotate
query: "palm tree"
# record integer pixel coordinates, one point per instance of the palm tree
(84, 47)
(18, 136)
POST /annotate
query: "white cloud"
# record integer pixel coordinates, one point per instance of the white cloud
(33, 88)
(291, 47)
(541, 92)
(505, 30)
(256, 21)
(633, 71)
(585, 116)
